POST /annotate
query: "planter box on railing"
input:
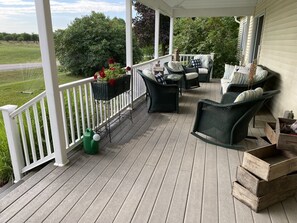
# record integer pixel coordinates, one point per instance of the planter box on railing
(104, 91)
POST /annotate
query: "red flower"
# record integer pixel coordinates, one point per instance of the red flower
(95, 76)
(110, 61)
(112, 82)
(101, 73)
(128, 68)
(112, 68)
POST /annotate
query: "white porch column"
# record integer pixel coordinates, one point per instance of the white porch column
(51, 80)
(129, 43)
(157, 32)
(171, 36)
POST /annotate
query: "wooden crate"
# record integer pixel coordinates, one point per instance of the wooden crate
(268, 162)
(261, 187)
(270, 132)
(285, 141)
(259, 203)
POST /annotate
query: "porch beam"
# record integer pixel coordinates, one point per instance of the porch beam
(157, 33)
(129, 44)
(51, 80)
(171, 28)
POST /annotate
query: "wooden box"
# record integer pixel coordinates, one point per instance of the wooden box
(268, 162)
(285, 141)
(270, 132)
(259, 203)
(261, 187)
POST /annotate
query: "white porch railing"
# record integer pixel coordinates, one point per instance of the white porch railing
(28, 127)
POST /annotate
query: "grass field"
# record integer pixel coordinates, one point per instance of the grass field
(18, 52)
(13, 84)
(18, 87)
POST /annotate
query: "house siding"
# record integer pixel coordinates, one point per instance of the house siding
(279, 49)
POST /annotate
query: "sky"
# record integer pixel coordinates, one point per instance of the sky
(18, 16)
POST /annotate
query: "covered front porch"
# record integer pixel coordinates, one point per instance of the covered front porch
(154, 170)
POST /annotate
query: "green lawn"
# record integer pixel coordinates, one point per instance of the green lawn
(18, 87)
(13, 84)
(18, 52)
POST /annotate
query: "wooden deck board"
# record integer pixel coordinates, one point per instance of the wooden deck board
(226, 203)
(121, 185)
(154, 170)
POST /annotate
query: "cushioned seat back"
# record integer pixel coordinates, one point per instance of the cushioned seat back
(205, 59)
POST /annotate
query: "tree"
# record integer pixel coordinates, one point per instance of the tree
(85, 46)
(144, 27)
(206, 35)
(34, 37)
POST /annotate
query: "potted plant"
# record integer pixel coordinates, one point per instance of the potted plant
(111, 82)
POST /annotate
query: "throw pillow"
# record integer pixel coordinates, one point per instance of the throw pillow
(160, 78)
(260, 74)
(242, 69)
(149, 74)
(258, 92)
(249, 95)
(196, 63)
(176, 66)
(240, 78)
(204, 60)
(228, 71)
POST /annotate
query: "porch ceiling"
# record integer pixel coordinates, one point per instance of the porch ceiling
(202, 8)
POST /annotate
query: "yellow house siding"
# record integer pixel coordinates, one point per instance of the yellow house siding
(279, 49)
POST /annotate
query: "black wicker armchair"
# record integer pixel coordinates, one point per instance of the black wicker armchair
(187, 82)
(162, 97)
(227, 122)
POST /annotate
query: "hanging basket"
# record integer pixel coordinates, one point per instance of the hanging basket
(104, 91)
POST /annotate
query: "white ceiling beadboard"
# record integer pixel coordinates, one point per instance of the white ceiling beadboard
(202, 8)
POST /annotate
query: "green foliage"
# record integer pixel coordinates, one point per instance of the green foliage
(85, 46)
(144, 27)
(208, 35)
(17, 52)
(5, 163)
(19, 37)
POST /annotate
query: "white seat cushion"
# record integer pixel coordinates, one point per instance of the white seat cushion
(224, 87)
(149, 74)
(203, 70)
(192, 75)
(225, 80)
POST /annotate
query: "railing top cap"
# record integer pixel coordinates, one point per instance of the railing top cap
(8, 108)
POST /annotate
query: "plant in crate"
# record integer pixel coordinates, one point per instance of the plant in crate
(111, 82)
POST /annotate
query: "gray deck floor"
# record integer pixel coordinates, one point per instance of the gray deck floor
(153, 171)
